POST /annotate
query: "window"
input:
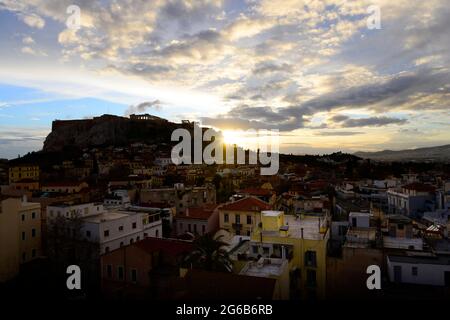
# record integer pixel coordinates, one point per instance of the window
(33, 233)
(109, 271)
(121, 244)
(266, 251)
(249, 219)
(311, 278)
(400, 226)
(23, 235)
(195, 228)
(203, 229)
(120, 273)
(106, 249)
(23, 217)
(181, 226)
(33, 253)
(226, 218)
(120, 228)
(131, 241)
(134, 225)
(414, 271)
(189, 227)
(157, 234)
(238, 218)
(133, 275)
(33, 215)
(310, 259)
(106, 233)
(88, 234)
(255, 249)
(138, 238)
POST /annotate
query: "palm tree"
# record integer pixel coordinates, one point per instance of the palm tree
(209, 254)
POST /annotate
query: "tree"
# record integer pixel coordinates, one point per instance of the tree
(209, 254)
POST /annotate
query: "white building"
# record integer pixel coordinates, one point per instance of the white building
(111, 229)
(117, 198)
(273, 268)
(424, 270)
(412, 199)
(359, 219)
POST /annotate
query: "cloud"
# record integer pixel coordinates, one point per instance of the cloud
(28, 50)
(32, 20)
(28, 40)
(371, 122)
(288, 66)
(338, 133)
(142, 107)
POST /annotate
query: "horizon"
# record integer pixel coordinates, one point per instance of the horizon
(231, 142)
(367, 76)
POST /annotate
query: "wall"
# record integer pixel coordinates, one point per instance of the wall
(9, 239)
(428, 274)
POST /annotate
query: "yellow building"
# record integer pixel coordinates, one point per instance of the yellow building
(300, 239)
(20, 235)
(242, 216)
(17, 173)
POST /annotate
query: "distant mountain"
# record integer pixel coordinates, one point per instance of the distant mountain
(440, 153)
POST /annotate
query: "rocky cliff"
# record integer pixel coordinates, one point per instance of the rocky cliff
(109, 130)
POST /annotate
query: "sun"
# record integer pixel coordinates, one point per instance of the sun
(232, 137)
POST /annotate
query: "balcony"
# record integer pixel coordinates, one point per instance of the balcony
(237, 226)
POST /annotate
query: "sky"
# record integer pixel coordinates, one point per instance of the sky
(316, 71)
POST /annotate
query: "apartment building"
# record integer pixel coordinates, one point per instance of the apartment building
(241, 217)
(180, 197)
(198, 220)
(412, 199)
(20, 235)
(20, 172)
(302, 240)
(110, 229)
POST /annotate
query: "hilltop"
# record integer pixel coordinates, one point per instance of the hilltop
(439, 153)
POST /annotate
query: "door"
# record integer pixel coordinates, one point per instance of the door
(397, 274)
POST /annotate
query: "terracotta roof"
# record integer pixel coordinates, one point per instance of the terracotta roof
(256, 192)
(168, 246)
(202, 213)
(247, 204)
(206, 285)
(421, 187)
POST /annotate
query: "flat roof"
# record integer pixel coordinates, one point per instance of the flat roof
(106, 216)
(309, 225)
(270, 267)
(441, 260)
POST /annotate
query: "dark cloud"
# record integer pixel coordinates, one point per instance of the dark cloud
(338, 133)
(371, 122)
(142, 107)
(270, 67)
(339, 118)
